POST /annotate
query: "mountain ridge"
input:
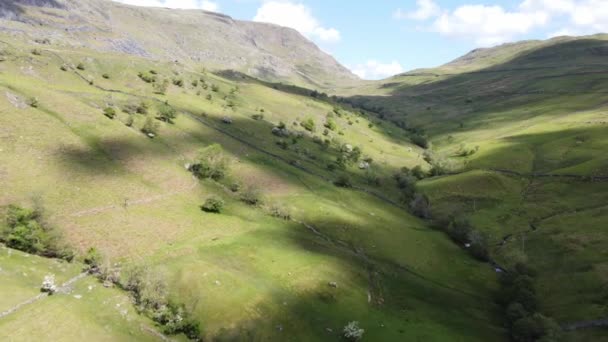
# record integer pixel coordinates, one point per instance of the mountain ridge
(266, 51)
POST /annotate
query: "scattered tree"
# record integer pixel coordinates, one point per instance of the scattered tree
(160, 88)
(150, 127)
(109, 112)
(178, 82)
(213, 205)
(279, 211)
(166, 113)
(421, 206)
(330, 124)
(129, 121)
(308, 124)
(211, 163)
(142, 108)
(251, 195)
(147, 77)
(26, 231)
(343, 181)
(93, 258)
(33, 102)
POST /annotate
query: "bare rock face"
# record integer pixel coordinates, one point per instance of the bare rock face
(199, 38)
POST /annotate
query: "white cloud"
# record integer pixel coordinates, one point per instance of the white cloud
(373, 70)
(206, 5)
(296, 16)
(426, 9)
(490, 25)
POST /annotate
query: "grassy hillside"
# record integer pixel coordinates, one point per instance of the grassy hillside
(344, 254)
(523, 130)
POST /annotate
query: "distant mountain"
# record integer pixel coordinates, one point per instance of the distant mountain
(190, 37)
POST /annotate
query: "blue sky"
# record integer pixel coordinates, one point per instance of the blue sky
(377, 39)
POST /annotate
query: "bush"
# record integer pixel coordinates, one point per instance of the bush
(516, 311)
(330, 124)
(93, 258)
(372, 178)
(479, 245)
(421, 206)
(26, 232)
(147, 77)
(109, 112)
(279, 211)
(535, 328)
(213, 205)
(283, 144)
(166, 113)
(418, 172)
(150, 294)
(160, 88)
(251, 195)
(352, 331)
(215, 88)
(150, 127)
(211, 163)
(459, 230)
(308, 124)
(33, 102)
(63, 67)
(149, 289)
(106, 76)
(80, 66)
(235, 187)
(419, 140)
(175, 320)
(142, 108)
(129, 121)
(407, 184)
(178, 82)
(343, 181)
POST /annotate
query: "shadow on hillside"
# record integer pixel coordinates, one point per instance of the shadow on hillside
(106, 155)
(395, 300)
(571, 68)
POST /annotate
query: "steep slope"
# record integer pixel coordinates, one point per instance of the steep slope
(190, 37)
(522, 131)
